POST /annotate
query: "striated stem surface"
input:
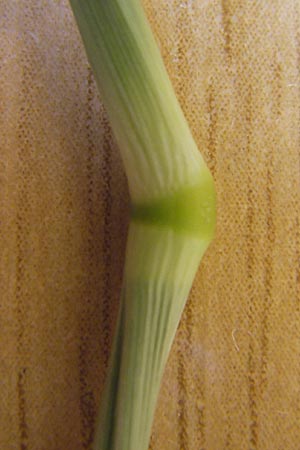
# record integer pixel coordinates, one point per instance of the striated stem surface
(172, 212)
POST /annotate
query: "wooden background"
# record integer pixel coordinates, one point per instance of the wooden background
(233, 376)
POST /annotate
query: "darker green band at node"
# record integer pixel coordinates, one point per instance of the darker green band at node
(190, 210)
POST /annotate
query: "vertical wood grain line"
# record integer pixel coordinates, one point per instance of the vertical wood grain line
(22, 206)
(182, 401)
(212, 129)
(253, 437)
(181, 86)
(268, 266)
(297, 27)
(107, 244)
(200, 392)
(297, 270)
(87, 405)
(226, 25)
(297, 36)
(182, 19)
(23, 429)
(270, 233)
(21, 317)
(297, 249)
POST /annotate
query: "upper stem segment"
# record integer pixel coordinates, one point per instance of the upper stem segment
(156, 145)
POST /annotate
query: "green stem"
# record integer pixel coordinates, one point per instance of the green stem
(172, 212)
(160, 266)
(139, 97)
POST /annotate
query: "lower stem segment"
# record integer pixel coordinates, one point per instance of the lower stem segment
(160, 266)
(128, 403)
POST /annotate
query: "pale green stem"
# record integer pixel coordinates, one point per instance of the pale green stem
(172, 212)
